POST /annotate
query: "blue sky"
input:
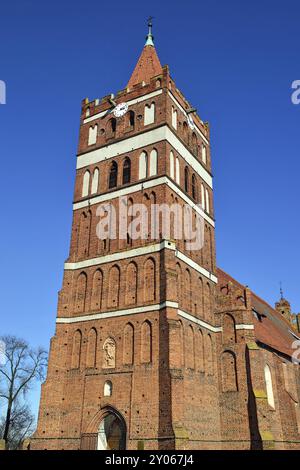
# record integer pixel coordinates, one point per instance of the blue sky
(234, 61)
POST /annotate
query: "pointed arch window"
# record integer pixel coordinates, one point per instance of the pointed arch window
(207, 201)
(131, 119)
(153, 163)
(204, 157)
(95, 181)
(185, 130)
(269, 386)
(172, 165)
(113, 175)
(195, 144)
(126, 171)
(107, 392)
(86, 183)
(194, 186)
(202, 196)
(143, 165)
(149, 114)
(174, 117)
(92, 135)
(186, 179)
(112, 125)
(177, 171)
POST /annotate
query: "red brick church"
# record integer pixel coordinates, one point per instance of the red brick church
(155, 347)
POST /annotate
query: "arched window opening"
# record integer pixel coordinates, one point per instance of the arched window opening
(107, 392)
(229, 372)
(131, 284)
(96, 295)
(269, 386)
(153, 163)
(76, 351)
(187, 289)
(143, 165)
(112, 125)
(91, 348)
(149, 114)
(128, 344)
(185, 130)
(194, 186)
(177, 171)
(149, 280)
(229, 333)
(146, 342)
(186, 179)
(80, 292)
(131, 119)
(202, 197)
(113, 175)
(172, 165)
(207, 201)
(194, 144)
(209, 355)
(190, 348)
(84, 232)
(126, 171)
(199, 351)
(112, 433)
(179, 283)
(174, 117)
(86, 184)
(95, 181)
(204, 156)
(93, 135)
(114, 287)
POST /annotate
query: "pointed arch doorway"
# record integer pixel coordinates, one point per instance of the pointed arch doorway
(111, 432)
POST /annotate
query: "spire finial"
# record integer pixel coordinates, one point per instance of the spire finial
(149, 37)
(281, 291)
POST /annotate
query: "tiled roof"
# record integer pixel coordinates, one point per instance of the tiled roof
(272, 329)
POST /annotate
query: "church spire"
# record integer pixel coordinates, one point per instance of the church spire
(148, 65)
(150, 37)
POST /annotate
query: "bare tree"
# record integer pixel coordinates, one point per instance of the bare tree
(22, 425)
(20, 367)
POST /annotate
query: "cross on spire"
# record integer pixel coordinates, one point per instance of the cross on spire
(149, 37)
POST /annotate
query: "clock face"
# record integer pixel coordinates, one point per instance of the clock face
(120, 109)
(190, 122)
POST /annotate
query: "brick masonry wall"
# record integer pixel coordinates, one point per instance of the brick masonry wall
(176, 383)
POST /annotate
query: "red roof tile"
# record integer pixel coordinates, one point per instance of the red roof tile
(273, 330)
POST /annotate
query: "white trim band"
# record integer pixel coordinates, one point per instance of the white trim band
(187, 316)
(143, 250)
(244, 327)
(150, 137)
(196, 266)
(148, 184)
(130, 102)
(117, 313)
(137, 310)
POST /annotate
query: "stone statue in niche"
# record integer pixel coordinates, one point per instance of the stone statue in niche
(109, 353)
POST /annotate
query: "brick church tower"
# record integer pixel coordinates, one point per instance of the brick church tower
(129, 310)
(155, 348)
